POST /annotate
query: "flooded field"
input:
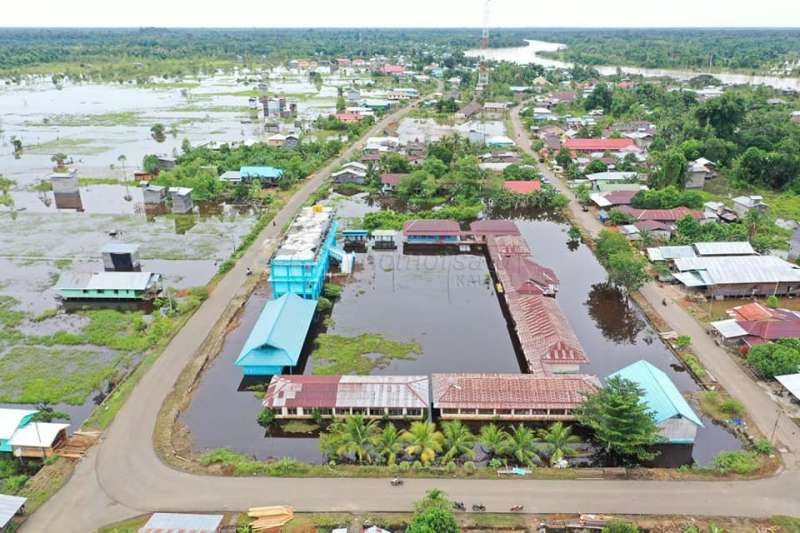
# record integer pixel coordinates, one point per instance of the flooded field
(447, 305)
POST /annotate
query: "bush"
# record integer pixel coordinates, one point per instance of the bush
(324, 304)
(683, 342)
(451, 468)
(470, 468)
(740, 462)
(266, 418)
(775, 358)
(332, 291)
(763, 447)
(618, 218)
(620, 526)
(694, 365)
(404, 466)
(732, 407)
(773, 302)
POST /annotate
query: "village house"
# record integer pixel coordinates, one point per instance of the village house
(612, 199)
(181, 198)
(752, 324)
(738, 276)
(597, 178)
(10, 506)
(389, 181)
(718, 211)
(469, 111)
(352, 172)
(431, 231)
(510, 397)
(522, 187)
(183, 523)
(121, 257)
(108, 286)
(676, 421)
(562, 97)
(660, 215)
(743, 204)
(394, 397)
(588, 146)
(268, 176)
(544, 114)
(23, 437)
(154, 194)
(698, 172)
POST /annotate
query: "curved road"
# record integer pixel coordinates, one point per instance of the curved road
(122, 476)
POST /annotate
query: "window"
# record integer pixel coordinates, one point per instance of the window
(359, 411)
(557, 411)
(324, 411)
(291, 410)
(449, 411)
(377, 411)
(395, 411)
(522, 412)
(413, 411)
(485, 411)
(503, 411)
(539, 411)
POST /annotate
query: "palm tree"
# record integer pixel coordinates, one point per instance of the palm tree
(493, 440)
(423, 441)
(558, 439)
(388, 444)
(521, 445)
(122, 159)
(354, 436)
(458, 441)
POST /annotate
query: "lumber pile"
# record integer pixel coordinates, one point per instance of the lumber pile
(270, 517)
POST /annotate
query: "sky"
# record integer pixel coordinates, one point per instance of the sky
(405, 13)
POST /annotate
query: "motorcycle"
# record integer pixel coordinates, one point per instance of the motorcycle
(517, 508)
(479, 508)
(396, 482)
(459, 506)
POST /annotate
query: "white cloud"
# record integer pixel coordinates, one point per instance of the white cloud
(408, 13)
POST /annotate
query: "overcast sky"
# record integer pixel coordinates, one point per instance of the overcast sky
(403, 13)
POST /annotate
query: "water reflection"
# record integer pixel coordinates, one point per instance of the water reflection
(613, 314)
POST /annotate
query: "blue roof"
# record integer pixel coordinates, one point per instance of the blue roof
(279, 333)
(261, 172)
(660, 394)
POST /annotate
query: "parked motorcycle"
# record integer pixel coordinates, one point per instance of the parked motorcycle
(396, 482)
(517, 508)
(478, 508)
(459, 506)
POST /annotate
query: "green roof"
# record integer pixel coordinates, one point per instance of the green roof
(660, 394)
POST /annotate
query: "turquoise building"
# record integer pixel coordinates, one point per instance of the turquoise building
(276, 341)
(10, 421)
(300, 264)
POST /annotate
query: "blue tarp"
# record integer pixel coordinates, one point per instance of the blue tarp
(278, 336)
(660, 394)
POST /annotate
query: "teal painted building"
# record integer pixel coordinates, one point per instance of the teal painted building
(277, 338)
(267, 175)
(105, 286)
(675, 418)
(10, 421)
(300, 264)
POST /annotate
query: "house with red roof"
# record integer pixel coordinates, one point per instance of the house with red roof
(522, 187)
(431, 231)
(600, 145)
(510, 397)
(390, 180)
(660, 215)
(348, 118)
(392, 70)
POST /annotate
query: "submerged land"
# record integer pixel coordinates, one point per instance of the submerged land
(620, 196)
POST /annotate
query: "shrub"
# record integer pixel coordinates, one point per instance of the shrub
(773, 302)
(266, 418)
(404, 466)
(332, 291)
(620, 526)
(740, 462)
(763, 447)
(694, 365)
(323, 304)
(683, 342)
(775, 358)
(470, 468)
(451, 468)
(731, 407)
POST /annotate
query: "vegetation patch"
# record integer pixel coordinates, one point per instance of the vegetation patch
(359, 355)
(71, 146)
(39, 374)
(123, 118)
(299, 426)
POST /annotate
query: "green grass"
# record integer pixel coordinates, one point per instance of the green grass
(37, 374)
(70, 147)
(359, 355)
(691, 361)
(124, 118)
(44, 315)
(299, 426)
(101, 181)
(303, 523)
(789, 524)
(126, 526)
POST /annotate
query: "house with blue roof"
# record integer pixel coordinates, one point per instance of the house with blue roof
(278, 336)
(12, 420)
(267, 175)
(676, 420)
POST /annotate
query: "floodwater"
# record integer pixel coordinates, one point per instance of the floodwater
(529, 55)
(445, 304)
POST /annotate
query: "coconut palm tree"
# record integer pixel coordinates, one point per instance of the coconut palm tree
(354, 436)
(493, 440)
(388, 444)
(423, 441)
(458, 441)
(521, 445)
(558, 439)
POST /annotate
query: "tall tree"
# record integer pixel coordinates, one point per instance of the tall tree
(723, 113)
(627, 270)
(522, 445)
(354, 437)
(558, 440)
(458, 441)
(621, 421)
(423, 441)
(387, 443)
(493, 440)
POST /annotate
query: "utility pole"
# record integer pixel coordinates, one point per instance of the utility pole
(483, 69)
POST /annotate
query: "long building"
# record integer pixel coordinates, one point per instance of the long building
(396, 397)
(739, 276)
(510, 396)
(300, 264)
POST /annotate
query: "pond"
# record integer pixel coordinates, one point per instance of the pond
(446, 305)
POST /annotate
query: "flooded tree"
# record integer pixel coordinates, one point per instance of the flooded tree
(614, 315)
(158, 132)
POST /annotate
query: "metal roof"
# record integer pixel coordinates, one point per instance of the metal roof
(494, 227)
(791, 382)
(182, 522)
(610, 176)
(261, 172)
(508, 245)
(431, 227)
(37, 435)
(729, 329)
(180, 191)
(660, 393)
(668, 253)
(135, 281)
(119, 248)
(278, 336)
(306, 234)
(9, 506)
(348, 391)
(739, 269)
(724, 248)
(509, 391)
(10, 420)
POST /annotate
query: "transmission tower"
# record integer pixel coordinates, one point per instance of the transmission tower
(483, 69)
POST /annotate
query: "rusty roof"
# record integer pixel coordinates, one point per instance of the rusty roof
(751, 311)
(494, 227)
(523, 276)
(347, 391)
(509, 391)
(507, 245)
(598, 145)
(544, 333)
(431, 227)
(661, 215)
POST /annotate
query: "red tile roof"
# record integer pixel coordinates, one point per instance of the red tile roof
(660, 215)
(392, 178)
(347, 391)
(348, 117)
(544, 333)
(620, 197)
(772, 329)
(598, 145)
(751, 311)
(653, 225)
(392, 69)
(371, 157)
(508, 245)
(522, 187)
(302, 391)
(523, 276)
(431, 227)
(494, 227)
(510, 391)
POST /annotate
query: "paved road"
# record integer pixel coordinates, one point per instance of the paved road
(122, 476)
(762, 408)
